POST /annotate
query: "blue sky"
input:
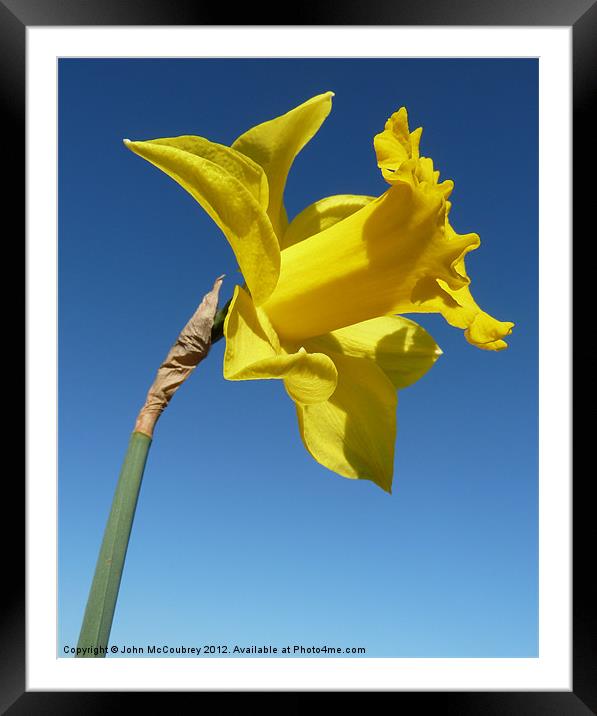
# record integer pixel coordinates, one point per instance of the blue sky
(240, 537)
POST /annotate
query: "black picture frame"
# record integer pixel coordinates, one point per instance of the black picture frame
(581, 15)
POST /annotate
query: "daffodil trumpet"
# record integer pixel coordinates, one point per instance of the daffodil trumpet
(322, 296)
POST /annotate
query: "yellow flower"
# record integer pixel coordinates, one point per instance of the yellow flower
(318, 311)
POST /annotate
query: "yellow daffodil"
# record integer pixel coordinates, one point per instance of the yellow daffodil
(322, 291)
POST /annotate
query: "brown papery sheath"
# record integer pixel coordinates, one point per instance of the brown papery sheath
(191, 347)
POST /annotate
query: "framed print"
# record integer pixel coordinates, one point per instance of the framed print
(253, 563)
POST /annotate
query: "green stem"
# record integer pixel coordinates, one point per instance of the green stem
(217, 330)
(97, 622)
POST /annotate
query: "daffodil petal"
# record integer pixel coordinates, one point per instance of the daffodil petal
(309, 378)
(249, 335)
(231, 205)
(373, 263)
(238, 165)
(400, 347)
(321, 215)
(353, 432)
(253, 352)
(275, 144)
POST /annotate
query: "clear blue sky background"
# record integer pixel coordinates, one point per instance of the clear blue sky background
(240, 537)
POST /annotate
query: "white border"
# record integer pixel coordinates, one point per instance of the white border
(552, 671)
